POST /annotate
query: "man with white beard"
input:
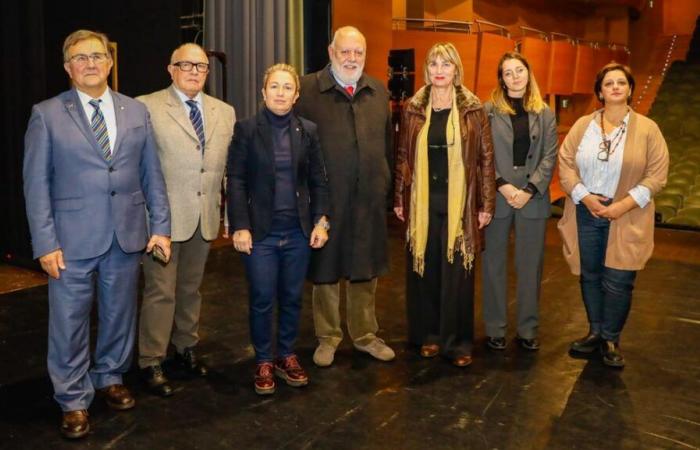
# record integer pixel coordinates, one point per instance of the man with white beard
(352, 112)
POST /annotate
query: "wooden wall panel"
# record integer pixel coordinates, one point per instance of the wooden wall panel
(585, 71)
(373, 19)
(491, 48)
(602, 57)
(621, 56)
(421, 41)
(562, 64)
(537, 53)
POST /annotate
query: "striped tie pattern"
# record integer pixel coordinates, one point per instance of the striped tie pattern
(99, 127)
(196, 119)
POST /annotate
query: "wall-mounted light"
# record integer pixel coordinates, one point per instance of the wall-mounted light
(564, 103)
(651, 3)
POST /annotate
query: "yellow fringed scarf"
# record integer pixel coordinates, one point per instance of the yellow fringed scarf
(456, 192)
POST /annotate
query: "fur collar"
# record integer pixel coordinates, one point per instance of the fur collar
(466, 100)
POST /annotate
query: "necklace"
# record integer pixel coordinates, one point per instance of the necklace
(606, 144)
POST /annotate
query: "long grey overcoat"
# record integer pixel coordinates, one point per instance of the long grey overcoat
(356, 140)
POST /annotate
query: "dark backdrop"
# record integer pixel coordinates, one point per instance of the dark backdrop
(31, 37)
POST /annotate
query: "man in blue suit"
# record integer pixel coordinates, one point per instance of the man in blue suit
(92, 180)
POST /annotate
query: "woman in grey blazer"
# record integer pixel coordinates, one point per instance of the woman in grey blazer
(524, 134)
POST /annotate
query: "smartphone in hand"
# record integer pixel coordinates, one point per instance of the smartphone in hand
(158, 255)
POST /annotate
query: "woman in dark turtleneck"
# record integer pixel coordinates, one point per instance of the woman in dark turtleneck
(524, 133)
(278, 209)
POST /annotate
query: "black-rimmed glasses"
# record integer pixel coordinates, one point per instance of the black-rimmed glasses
(187, 66)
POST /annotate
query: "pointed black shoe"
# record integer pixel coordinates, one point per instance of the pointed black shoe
(156, 381)
(531, 345)
(496, 343)
(189, 362)
(612, 356)
(588, 344)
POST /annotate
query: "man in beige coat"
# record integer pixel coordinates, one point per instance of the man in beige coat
(193, 132)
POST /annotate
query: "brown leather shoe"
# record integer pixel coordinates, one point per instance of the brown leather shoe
(118, 397)
(75, 424)
(264, 379)
(462, 361)
(290, 370)
(429, 350)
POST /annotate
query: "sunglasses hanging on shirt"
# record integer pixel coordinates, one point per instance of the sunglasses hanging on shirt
(608, 146)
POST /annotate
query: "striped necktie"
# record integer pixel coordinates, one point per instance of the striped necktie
(196, 119)
(99, 127)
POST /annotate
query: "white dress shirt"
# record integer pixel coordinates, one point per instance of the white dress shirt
(197, 98)
(107, 108)
(602, 177)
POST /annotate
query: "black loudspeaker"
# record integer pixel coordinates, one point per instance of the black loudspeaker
(402, 81)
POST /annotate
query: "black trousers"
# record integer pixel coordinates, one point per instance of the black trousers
(440, 304)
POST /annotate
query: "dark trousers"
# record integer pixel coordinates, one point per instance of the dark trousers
(606, 292)
(440, 304)
(276, 269)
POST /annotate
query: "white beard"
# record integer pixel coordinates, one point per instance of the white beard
(337, 71)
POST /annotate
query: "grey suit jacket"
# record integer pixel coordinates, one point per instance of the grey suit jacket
(540, 159)
(193, 181)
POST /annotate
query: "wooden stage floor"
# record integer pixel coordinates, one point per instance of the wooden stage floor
(509, 400)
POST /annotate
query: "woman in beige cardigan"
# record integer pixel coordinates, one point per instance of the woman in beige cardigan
(611, 165)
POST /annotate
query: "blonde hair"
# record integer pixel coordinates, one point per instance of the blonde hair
(84, 35)
(532, 100)
(448, 52)
(281, 67)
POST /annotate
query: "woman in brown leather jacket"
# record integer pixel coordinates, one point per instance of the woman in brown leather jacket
(445, 192)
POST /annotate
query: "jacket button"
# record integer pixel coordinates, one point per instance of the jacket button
(113, 193)
(111, 169)
(201, 170)
(527, 176)
(199, 194)
(529, 156)
(534, 137)
(297, 193)
(198, 147)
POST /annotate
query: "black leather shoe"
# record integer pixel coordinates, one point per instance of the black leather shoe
(531, 345)
(188, 361)
(157, 383)
(496, 343)
(588, 344)
(612, 356)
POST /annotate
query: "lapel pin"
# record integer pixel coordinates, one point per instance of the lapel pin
(122, 108)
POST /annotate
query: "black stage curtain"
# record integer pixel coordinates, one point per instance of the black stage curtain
(23, 81)
(32, 34)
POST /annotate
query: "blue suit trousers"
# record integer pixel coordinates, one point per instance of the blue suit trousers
(112, 278)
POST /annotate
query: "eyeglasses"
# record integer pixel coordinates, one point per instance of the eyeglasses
(346, 53)
(187, 66)
(81, 58)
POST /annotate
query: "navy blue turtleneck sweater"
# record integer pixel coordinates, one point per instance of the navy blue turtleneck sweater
(286, 212)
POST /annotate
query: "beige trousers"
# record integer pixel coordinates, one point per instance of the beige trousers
(171, 297)
(361, 318)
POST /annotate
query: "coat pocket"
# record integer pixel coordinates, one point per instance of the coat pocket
(68, 204)
(137, 198)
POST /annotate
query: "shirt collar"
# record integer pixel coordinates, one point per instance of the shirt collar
(105, 99)
(183, 98)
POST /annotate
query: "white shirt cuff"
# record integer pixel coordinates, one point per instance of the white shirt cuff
(641, 195)
(578, 193)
